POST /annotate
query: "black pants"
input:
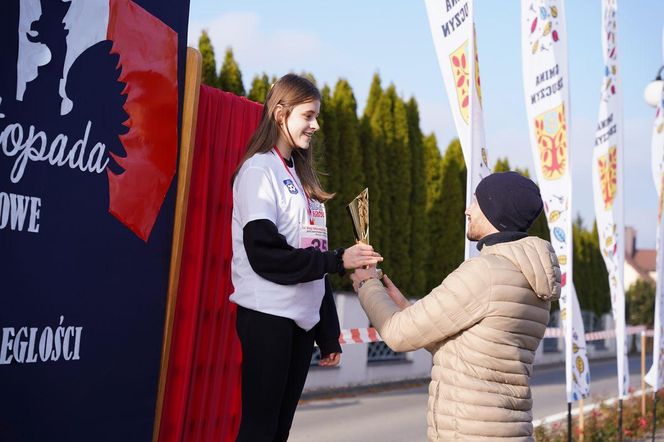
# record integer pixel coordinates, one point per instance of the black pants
(276, 355)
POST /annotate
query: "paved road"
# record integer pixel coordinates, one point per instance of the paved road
(400, 415)
(549, 385)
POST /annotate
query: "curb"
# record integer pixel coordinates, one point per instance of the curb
(587, 408)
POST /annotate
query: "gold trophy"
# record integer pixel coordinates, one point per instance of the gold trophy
(359, 214)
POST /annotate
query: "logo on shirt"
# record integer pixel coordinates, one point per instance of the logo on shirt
(290, 186)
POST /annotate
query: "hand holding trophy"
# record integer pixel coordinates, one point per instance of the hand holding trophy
(359, 214)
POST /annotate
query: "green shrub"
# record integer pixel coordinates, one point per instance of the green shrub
(601, 424)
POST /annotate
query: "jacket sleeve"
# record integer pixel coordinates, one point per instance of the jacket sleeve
(459, 302)
(271, 257)
(327, 331)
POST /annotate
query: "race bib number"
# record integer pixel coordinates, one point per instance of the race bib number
(313, 236)
(317, 212)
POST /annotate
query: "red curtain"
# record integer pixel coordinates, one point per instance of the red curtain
(202, 396)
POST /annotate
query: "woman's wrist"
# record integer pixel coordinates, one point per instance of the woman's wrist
(364, 281)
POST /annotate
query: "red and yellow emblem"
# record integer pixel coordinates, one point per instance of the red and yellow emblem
(607, 176)
(477, 69)
(461, 79)
(551, 133)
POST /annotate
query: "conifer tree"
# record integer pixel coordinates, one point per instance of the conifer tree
(433, 170)
(319, 148)
(601, 289)
(371, 181)
(260, 86)
(349, 159)
(399, 180)
(640, 297)
(327, 154)
(435, 228)
(447, 219)
(309, 76)
(383, 130)
(580, 265)
(372, 161)
(419, 244)
(209, 69)
(458, 154)
(327, 143)
(540, 227)
(523, 172)
(458, 213)
(331, 173)
(590, 276)
(375, 92)
(230, 76)
(502, 165)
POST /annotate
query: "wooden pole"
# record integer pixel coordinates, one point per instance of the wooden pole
(192, 84)
(643, 373)
(620, 420)
(654, 414)
(582, 426)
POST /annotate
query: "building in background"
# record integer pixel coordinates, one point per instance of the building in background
(639, 263)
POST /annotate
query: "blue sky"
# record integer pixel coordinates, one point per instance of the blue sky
(355, 39)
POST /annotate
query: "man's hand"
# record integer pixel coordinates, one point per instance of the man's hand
(394, 293)
(363, 274)
(331, 360)
(360, 255)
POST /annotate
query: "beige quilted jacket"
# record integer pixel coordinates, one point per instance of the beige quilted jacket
(482, 325)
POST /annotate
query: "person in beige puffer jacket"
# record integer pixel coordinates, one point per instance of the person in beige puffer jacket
(483, 323)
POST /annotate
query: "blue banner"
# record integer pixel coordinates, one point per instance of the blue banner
(90, 110)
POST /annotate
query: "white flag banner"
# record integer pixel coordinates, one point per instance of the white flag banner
(607, 173)
(453, 32)
(654, 376)
(544, 58)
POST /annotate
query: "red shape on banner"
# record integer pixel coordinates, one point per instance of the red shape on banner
(355, 334)
(148, 51)
(373, 334)
(202, 394)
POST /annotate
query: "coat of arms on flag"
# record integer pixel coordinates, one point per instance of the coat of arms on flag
(477, 69)
(607, 175)
(551, 134)
(462, 79)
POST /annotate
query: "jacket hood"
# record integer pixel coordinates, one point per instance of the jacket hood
(537, 261)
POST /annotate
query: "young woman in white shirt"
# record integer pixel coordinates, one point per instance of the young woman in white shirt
(280, 262)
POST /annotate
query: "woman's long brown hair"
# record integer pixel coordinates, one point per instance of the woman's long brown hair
(288, 92)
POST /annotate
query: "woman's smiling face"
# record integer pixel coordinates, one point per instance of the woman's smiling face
(301, 124)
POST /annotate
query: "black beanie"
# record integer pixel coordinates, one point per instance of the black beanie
(510, 201)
